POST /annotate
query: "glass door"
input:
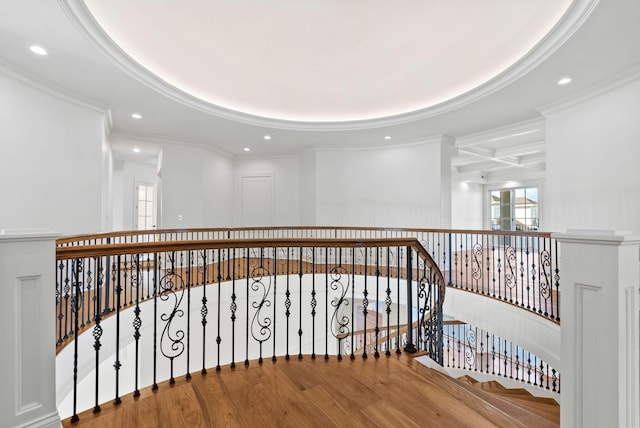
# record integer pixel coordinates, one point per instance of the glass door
(515, 209)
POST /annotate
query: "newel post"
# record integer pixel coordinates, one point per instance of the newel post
(599, 328)
(27, 315)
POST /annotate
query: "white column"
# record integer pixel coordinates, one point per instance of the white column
(27, 315)
(446, 152)
(599, 285)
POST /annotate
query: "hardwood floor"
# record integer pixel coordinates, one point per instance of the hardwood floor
(383, 392)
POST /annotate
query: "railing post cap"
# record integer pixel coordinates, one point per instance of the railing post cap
(598, 237)
(12, 235)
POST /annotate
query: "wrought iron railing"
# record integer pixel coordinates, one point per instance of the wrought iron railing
(520, 268)
(471, 348)
(155, 309)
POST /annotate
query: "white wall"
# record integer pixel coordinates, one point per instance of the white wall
(51, 164)
(593, 163)
(218, 189)
(467, 205)
(197, 185)
(308, 188)
(286, 176)
(387, 187)
(521, 327)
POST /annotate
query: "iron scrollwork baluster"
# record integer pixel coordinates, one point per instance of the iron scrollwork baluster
(470, 345)
(510, 274)
(261, 324)
(476, 266)
(97, 335)
(137, 321)
(172, 291)
(204, 310)
(545, 283)
(339, 321)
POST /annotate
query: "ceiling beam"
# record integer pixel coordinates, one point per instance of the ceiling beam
(534, 128)
(520, 150)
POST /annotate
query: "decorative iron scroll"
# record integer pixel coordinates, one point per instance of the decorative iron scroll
(469, 353)
(476, 267)
(511, 272)
(430, 317)
(545, 284)
(135, 283)
(261, 324)
(171, 289)
(77, 292)
(339, 321)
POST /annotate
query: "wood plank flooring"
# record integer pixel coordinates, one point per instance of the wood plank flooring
(374, 392)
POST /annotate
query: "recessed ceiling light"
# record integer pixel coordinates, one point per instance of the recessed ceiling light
(38, 50)
(247, 149)
(267, 137)
(387, 137)
(136, 150)
(564, 81)
(136, 116)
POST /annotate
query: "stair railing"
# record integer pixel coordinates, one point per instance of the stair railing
(468, 347)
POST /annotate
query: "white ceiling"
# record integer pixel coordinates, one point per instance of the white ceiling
(330, 60)
(592, 43)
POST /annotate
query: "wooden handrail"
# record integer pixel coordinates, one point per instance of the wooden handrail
(99, 250)
(79, 251)
(88, 237)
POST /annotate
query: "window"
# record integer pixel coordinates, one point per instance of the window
(144, 206)
(515, 209)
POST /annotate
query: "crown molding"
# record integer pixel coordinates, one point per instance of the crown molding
(268, 156)
(620, 79)
(162, 140)
(28, 79)
(576, 14)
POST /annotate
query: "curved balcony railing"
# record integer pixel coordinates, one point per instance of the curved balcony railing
(520, 268)
(165, 304)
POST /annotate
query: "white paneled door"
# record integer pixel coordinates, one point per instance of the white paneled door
(256, 200)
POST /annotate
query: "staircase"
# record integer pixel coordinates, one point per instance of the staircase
(508, 407)
(544, 407)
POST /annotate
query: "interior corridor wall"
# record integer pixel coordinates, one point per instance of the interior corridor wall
(393, 186)
(51, 167)
(593, 158)
(196, 187)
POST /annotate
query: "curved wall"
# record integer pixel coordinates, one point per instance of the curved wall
(519, 326)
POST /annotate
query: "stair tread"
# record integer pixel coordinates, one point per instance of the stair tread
(468, 379)
(490, 384)
(518, 414)
(528, 397)
(550, 412)
(507, 391)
